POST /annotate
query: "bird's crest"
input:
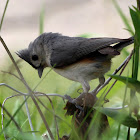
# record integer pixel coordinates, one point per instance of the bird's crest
(24, 54)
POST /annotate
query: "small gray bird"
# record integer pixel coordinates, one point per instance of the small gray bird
(76, 58)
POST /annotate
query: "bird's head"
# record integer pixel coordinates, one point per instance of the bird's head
(34, 55)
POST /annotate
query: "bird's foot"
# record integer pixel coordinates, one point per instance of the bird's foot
(80, 104)
(85, 99)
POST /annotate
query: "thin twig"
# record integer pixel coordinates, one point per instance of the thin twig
(26, 105)
(2, 108)
(11, 74)
(3, 84)
(7, 124)
(43, 118)
(11, 117)
(28, 88)
(29, 118)
(38, 95)
(118, 69)
(2, 114)
(124, 66)
(49, 94)
(12, 59)
(20, 74)
(53, 114)
(57, 130)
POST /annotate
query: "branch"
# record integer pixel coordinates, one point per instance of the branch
(118, 69)
(11, 74)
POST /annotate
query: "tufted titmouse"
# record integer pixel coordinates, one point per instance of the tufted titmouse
(76, 58)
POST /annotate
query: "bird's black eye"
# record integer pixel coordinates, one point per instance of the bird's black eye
(35, 57)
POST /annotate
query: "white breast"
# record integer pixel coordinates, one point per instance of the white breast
(84, 71)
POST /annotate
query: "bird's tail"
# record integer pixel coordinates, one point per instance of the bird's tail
(123, 44)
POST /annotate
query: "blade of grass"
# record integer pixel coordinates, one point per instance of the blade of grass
(57, 130)
(42, 18)
(135, 15)
(29, 118)
(123, 106)
(3, 14)
(118, 131)
(12, 117)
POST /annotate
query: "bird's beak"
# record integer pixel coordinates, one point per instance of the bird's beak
(40, 71)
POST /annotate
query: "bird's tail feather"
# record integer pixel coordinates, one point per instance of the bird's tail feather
(126, 42)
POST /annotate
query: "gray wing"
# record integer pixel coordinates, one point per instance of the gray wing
(67, 50)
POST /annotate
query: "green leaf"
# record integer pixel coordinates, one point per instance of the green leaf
(135, 15)
(120, 116)
(131, 82)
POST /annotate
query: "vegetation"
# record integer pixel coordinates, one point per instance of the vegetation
(27, 112)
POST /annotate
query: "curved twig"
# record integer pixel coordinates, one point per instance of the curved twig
(49, 94)
(3, 84)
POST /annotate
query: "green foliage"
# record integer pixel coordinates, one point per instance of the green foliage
(135, 15)
(57, 84)
(131, 82)
(122, 117)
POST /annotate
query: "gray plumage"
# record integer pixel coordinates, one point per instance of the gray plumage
(65, 53)
(69, 50)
